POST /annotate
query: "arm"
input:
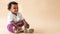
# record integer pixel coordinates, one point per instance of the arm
(25, 23)
(23, 20)
(14, 24)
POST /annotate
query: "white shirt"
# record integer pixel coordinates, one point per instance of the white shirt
(12, 17)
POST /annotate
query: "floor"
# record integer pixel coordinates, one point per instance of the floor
(42, 15)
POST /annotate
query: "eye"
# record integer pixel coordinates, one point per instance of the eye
(15, 8)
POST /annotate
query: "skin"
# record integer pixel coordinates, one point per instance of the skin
(14, 10)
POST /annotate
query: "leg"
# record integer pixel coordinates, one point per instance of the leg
(10, 28)
(26, 26)
(20, 24)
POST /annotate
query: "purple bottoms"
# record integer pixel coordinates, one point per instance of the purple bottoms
(11, 28)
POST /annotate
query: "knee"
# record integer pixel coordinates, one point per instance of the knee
(10, 28)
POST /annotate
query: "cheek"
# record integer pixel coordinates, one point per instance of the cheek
(13, 10)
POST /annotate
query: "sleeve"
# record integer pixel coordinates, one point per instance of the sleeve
(21, 17)
(10, 18)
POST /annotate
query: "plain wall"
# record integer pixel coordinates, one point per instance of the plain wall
(42, 15)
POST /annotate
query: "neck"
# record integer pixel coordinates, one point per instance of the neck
(15, 14)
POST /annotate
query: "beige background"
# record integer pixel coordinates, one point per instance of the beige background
(42, 15)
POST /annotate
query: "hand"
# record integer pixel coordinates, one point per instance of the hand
(27, 26)
(19, 28)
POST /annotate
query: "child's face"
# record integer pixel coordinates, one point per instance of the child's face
(14, 8)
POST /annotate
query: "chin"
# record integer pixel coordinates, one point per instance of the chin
(16, 12)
